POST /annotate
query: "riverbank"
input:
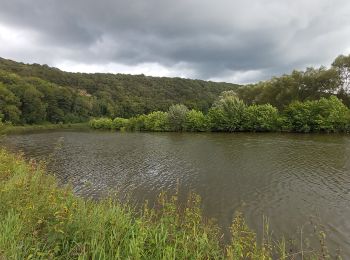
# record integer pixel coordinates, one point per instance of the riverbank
(17, 129)
(230, 114)
(41, 220)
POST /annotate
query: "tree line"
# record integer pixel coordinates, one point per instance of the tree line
(65, 97)
(33, 94)
(311, 84)
(231, 114)
(34, 101)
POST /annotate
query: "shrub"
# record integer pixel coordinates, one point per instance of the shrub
(101, 123)
(333, 116)
(326, 114)
(119, 123)
(260, 118)
(136, 123)
(227, 113)
(177, 117)
(196, 121)
(157, 121)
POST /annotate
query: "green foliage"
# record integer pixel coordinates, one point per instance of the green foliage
(196, 121)
(324, 115)
(33, 107)
(39, 220)
(244, 242)
(260, 118)
(9, 104)
(342, 65)
(227, 113)
(102, 95)
(101, 123)
(333, 115)
(177, 117)
(136, 123)
(230, 114)
(119, 123)
(298, 117)
(311, 84)
(29, 100)
(35, 93)
(157, 121)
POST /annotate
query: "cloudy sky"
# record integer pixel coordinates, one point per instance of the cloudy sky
(223, 40)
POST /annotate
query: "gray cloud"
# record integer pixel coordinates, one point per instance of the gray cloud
(234, 40)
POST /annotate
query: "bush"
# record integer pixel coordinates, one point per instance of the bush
(119, 123)
(101, 123)
(177, 117)
(324, 115)
(136, 123)
(260, 118)
(227, 114)
(196, 121)
(230, 114)
(157, 121)
(298, 117)
(334, 116)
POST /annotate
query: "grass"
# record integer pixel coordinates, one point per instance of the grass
(41, 220)
(16, 129)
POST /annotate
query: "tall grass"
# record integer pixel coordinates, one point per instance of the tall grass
(40, 220)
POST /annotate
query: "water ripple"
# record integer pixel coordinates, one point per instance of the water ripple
(289, 178)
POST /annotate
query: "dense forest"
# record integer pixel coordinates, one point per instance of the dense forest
(33, 93)
(36, 93)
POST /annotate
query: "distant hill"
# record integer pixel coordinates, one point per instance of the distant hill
(32, 93)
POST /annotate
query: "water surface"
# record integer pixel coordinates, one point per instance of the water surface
(289, 178)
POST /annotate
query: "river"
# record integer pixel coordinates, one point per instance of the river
(293, 179)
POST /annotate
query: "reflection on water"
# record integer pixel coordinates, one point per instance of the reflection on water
(287, 177)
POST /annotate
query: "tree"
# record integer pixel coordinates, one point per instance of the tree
(342, 65)
(9, 104)
(317, 83)
(311, 84)
(177, 117)
(33, 107)
(227, 113)
(82, 106)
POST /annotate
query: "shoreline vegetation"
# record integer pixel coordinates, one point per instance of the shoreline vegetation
(231, 114)
(34, 94)
(18, 129)
(41, 220)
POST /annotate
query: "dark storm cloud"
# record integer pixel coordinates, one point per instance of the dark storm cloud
(223, 40)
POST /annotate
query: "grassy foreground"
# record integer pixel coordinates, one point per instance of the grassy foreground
(40, 220)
